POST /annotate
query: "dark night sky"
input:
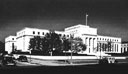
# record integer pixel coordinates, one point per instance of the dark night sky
(109, 16)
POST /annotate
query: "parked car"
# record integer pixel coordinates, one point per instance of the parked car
(107, 60)
(112, 60)
(103, 61)
(7, 60)
(22, 59)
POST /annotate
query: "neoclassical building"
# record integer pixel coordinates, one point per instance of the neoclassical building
(124, 47)
(10, 43)
(95, 43)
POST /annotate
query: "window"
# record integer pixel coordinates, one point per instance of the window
(12, 46)
(33, 32)
(38, 33)
(12, 38)
(59, 34)
(43, 33)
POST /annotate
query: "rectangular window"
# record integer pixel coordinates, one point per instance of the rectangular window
(12, 38)
(12, 47)
(33, 32)
(43, 33)
(38, 33)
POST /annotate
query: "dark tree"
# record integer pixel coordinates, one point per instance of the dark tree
(77, 45)
(32, 43)
(54, 42)
(2, 47)
(66, 45)
(51, 42)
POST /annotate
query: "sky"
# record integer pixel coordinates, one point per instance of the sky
(110, 17)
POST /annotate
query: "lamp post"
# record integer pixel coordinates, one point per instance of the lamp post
(30, 55)
(71, 53)
(100, 52)
(71, 39)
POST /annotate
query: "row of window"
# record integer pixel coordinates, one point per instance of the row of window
(104, 39)
(64, 35)
(43, 33)
(39, 33)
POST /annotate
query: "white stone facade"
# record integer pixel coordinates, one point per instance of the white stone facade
(10, 43)
(124, 47)
(89, 36)
(92, 39)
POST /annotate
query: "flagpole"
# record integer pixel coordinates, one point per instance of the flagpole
(86, 18)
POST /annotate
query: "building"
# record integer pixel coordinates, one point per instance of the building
(95, 43)
(10, 43)
(124, 47)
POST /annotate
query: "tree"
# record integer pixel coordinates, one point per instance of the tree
(66, 44)
(78, 45)
(54, 42)
(2, 47)
(74, 44)
(32, 43)
(105, 46)
(49, 43)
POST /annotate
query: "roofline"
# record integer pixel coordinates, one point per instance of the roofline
(30, 28)
(109, 36)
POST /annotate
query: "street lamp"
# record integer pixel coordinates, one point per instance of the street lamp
(30, 55)
(71, 47)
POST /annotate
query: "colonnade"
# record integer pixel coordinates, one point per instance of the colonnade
(91, 44)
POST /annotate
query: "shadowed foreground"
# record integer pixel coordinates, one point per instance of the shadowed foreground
(114, 68)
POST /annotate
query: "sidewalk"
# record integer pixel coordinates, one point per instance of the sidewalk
(56, 63)
(26, 64)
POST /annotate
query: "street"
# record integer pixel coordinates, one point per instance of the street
(115, 68)
(52, 66)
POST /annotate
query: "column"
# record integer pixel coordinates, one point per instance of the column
(91, 45)
(86, 41)
(94, 44)
(115, 47)
(87, 44)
